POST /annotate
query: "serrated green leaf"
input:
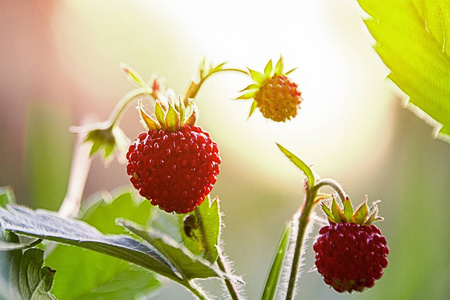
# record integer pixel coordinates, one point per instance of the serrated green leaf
(6, 196)
(273, 277)
(268, 69)
(413, 43)
(299, 164)
(187, 264)
(172, 119)
(104, 277)
(48, 225)
(279, 66)
(257, 77)
(208, 231)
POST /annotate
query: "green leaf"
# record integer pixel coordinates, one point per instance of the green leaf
(105, 277)
(186, 263)
(208, 216)
(299, 164)
(413, 41)
(274, 275)
(22, 274)
(6, 196)
(48, 225)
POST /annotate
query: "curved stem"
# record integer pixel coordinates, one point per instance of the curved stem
(334, 185)
(303, 220)
(117, 113)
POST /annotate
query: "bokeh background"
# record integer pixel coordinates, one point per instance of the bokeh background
(60, 64)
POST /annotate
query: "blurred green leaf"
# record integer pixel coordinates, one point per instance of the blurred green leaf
(274, 275)
(186, 263)
(6, 196)
(104, 277)
(48, 225)
(412, 40)
(49, 146)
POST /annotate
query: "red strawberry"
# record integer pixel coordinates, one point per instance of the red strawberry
(175, 170)
(350, 252)
(276, 96)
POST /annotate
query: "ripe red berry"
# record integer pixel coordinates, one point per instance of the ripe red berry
(350, 256)
(278, 98)
(175, 170)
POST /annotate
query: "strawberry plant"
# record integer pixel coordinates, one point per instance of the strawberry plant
(171, 226)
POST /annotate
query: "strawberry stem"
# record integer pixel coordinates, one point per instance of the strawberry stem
(311, 195)
(230, 286)
(120, 108)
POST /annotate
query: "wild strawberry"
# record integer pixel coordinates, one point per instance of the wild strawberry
(175, 170)
(175, 163)
(276, 96)
(350, 252)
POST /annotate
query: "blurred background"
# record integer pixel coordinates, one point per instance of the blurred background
(60, 63)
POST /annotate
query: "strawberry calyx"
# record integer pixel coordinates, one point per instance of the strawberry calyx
(363, 214)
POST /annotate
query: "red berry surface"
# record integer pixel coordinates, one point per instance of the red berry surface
(350, 256)
(279, 98)
(174, 170)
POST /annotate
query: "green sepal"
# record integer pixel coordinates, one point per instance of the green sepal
(249, 95)
(149, 122)
(373, 216)
(361, 213)
(328, 212)
(279, 66)
(159, 112)
(252, 86)
(290, 71)
(256, 76)
(172, 119)
(337, 212)
(252, 108)
(268, 69)
(348, 209)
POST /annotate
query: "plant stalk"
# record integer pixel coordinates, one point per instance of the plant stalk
(303, 220)
(230, 286)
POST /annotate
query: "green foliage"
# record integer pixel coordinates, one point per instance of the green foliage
(299, 164)
(22, 274)
(48, 225)
(412, 40)
(104, 277)
(274, 275)
(6, 196)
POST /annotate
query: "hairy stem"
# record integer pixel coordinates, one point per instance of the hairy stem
(334, 185)
(195, 290)
(303, 220)
(230, 286)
